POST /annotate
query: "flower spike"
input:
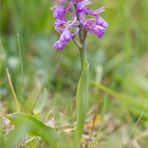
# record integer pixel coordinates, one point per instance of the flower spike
(79, 12)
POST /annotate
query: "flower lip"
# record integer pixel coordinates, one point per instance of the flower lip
(59, 45)
(66, 36)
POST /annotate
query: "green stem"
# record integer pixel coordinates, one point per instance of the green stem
(82, 96)
(83, 55)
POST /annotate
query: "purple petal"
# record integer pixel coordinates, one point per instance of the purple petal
(80, 7)
(59, 45)
(59, 12)
(98, 30)
(66, 36)
(100, 21)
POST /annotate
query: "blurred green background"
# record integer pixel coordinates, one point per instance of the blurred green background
(119, 60)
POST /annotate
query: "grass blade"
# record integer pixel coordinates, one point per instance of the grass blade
(138, 107)
(12, 89)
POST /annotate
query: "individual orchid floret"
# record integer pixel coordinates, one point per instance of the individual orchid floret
(96, 27)
(60, 25)
(65, 38)
(81, 5)
(59, 12)
(64, 27)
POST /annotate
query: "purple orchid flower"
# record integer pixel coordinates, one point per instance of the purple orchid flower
(59, 12)
(79, 12)
(66, 34)
(93, 27)
(65, 38)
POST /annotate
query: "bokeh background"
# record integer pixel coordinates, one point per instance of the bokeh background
(46, 79)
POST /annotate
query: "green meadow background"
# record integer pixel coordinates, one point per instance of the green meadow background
(45, 80)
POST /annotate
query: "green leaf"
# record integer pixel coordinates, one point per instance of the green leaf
(27, 124)
(81, 103)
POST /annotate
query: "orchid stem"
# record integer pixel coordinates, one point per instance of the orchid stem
(82, 95)
(83, 55)
(77, 43)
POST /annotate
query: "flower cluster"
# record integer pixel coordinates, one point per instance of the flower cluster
(79, 21)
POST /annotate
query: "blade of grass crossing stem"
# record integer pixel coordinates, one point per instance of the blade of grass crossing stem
(27, 124)
(81, 104)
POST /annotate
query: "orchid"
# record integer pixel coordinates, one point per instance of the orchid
(79, 20)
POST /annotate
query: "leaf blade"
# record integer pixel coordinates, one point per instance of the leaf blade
(34, 126)
(81, 103)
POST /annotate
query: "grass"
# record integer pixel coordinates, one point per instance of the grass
(44, 81)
